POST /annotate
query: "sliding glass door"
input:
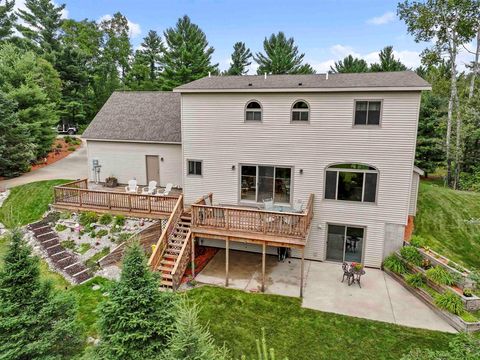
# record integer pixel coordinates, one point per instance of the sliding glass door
(259, 183)
(345, 243)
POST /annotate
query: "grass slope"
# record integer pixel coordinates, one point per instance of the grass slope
(27, 203)
(443, 219)
(236, 318)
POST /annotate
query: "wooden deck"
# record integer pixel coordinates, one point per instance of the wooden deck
(252, 225)
(77, 196)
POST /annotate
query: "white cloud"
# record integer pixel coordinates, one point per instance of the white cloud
(134, 28)
(386, 18)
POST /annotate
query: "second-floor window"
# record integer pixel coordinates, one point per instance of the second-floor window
(194, 167)
(253, 111)
(367, 112)
(352, 182)
(300, 111)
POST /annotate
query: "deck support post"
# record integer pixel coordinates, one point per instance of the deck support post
(302, 271)
(227, 244)
(193, 255)
(264, 246)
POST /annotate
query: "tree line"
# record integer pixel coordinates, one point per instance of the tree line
(62, 70)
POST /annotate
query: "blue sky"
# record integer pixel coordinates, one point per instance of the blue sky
(325, 30)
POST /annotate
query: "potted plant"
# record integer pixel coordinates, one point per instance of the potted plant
(357, 267)
(111, 182)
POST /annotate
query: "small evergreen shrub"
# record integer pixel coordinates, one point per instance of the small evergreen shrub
(87, 218)
(439, 276)
(412, 255)
(58, 146)
(450, 302)
(415, 280)
(105, 219)
(101, 233)
(60, 227)
(124, 236)
(394, 264)
(71, 148)
(468, 292)
(417, 241)
(68, 244)
(119, 220)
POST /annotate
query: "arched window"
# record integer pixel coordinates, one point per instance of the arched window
(253, 111)
(300, 111)
(352, 182)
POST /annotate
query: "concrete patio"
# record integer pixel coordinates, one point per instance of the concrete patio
(380, 298)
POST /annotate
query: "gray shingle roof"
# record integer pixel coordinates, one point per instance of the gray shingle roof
(335, 82)
(138, 116)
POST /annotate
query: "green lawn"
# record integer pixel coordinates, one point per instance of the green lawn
(443, 219)
(27, 203)
(236, 318)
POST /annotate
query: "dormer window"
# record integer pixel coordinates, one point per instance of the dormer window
(300, 111)
(253, 111)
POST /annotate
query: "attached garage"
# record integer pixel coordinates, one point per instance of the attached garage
(137, 135)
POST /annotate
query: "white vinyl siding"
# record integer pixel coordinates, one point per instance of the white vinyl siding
(414, 194)
(126, 160)
(213, 130)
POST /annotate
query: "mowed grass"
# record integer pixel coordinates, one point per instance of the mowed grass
(236, 318)
(27, 203)
(450, 222)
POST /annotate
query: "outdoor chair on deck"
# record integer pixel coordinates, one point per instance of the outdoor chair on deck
(150, 189)
(132, 186)
(268, 206)
(167, 190)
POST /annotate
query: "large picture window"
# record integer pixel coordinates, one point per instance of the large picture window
(259, 183)
(351, 182)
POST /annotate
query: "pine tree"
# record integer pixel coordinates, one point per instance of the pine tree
(7, 19)
(190, 340)
(41, 24)
(350, 65)
(281, 57)
(387, 61)
(188, 56)
(35, 86)
(240, 59)
(137, 319)
(152, 51)
(35, 322)
(117, 44)
(16, 150)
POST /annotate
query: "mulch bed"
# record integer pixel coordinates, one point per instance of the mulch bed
(56, 154)
(203, 255)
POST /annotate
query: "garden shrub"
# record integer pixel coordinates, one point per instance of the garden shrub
(88, 217)
(105, 219)
(101, 233)
(394, 264)
(71, 148)
(64, 215)
(119, 220)
(60, 227)
(124, 236)
(68, 244)
(412, 255)
(83, 248)
(440, 276)
(417, 241)
(58, 146)
(67, 139)
(450, 302)
(470, 181)
(415, 280)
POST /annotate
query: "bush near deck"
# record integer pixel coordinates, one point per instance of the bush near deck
(450, 222)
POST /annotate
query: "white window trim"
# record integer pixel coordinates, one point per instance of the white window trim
(292, 110)
(253, 110)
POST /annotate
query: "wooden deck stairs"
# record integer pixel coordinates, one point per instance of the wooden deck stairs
(174, 248)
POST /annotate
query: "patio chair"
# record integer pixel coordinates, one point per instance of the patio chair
(150, 189)
(347, 273)
(132, 186)
(208, 200)
(298, 206)
(167, 190)
(268, 204)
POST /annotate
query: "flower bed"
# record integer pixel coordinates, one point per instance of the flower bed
(435, 286)
(91, 236)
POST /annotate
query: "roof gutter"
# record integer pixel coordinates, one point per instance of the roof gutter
(304, 90)
(134, 141)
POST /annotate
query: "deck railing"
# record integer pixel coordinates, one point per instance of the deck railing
(162, 242)
(246, 220)
(77, 194)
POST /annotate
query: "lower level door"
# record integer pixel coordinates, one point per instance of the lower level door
(153, 168)
(345, 243)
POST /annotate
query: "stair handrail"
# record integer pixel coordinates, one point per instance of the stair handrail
(180, 255)
(161, 245)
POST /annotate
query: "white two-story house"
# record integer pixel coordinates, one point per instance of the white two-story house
(338, 148)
